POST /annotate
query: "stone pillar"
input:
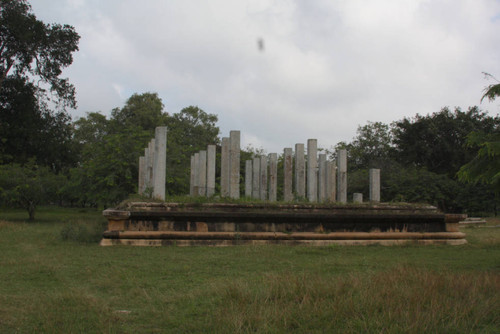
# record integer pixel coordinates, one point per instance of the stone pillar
(142, 174)
(248, 178)
(234, 164)
(322, 177)
(300, 171)
(342, 176)
(273, 177)
(160, 162)
(147, 180)
(196, 177)
(312, 169)
(263, 178)
(375, 185)
(331, 189)
(202, 176)
(357, 198)
(256, 178)
(224, 168)
(192, 176)
(287, 175)
(150, 164)
(210, 170)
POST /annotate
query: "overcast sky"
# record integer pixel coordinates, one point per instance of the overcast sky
(284, 71)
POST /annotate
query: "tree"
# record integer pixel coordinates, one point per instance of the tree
(438, 141)
(371, 148)
(36, 51)
(189, 131)
(141, 110)
(28, 185)
(492, 91)
(485, 166)
(29, 130)
(110, 150)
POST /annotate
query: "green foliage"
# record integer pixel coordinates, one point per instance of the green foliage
(29, 130)
(189, 131)
(485, 166)
(83, 231)
(110, 149)
(32, 49)
(141, 110)
(371, 148)
(438, 141)
(32, 55)
(28, 186)
(492, 91)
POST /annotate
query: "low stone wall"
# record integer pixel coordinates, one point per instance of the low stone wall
(224, 224)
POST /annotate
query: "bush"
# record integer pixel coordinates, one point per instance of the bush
(83, 231)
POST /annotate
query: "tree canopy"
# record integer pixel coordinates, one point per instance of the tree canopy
(33, 50)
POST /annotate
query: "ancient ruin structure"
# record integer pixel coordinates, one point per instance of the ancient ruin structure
(313, 208)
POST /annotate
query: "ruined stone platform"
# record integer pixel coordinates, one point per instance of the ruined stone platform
(225, 224)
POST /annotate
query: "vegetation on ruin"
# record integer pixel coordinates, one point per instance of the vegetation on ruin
(56, 278)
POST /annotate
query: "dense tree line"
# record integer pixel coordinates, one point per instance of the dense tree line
(450, 158)
(421, 159)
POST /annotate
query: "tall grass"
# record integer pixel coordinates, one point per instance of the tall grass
(401, 300)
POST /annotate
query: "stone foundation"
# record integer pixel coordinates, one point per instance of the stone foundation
(222, 224)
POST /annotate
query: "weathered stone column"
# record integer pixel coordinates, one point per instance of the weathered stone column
(331, 189)
(224, 168)
(196, 178)
(142, 175)
(375, 185)
(147, 180)
(202, 176)
(273, 176)
(160, 162)
(248, 178)
(210, 170)
(192, 176)
(287, 176)
(357, 198)
(234, 165)
(150, 165)
(263, 178)
(300, 171)
(256, 178)
(322, 177)
(342, 176)
(312, 170)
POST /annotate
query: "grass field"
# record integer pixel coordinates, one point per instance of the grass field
(56, 279)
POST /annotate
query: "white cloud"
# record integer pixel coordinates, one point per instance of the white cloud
(327, 67)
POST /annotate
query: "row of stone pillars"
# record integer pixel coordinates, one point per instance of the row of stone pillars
(202, 176)
(315, 178)
(152, 166)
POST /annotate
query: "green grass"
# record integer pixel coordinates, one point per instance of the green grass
(52, 285)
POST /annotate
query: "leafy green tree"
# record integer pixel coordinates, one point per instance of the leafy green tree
(485, 166)
(110, 150)
(36, 51)
(371, 148)
(32, 57)
(28, 186)
(29, 130)
(189, 131)
(438, 141)
(141, 110)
